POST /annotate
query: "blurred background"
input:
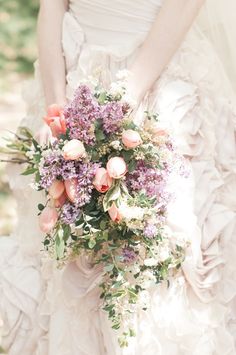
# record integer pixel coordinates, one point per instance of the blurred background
(17, 53)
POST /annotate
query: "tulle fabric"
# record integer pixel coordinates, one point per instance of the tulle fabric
(57, 311)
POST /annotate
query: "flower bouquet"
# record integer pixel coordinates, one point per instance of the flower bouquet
(106, 185)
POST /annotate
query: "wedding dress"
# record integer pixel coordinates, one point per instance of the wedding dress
(51, 311)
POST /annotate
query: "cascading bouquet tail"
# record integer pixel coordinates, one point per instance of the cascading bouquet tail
(106, 185)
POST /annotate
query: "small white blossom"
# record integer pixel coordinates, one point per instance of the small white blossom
(116, 145)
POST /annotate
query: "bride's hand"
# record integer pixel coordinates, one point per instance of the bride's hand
(44, 135)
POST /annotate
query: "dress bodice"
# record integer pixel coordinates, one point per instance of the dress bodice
(116, 22)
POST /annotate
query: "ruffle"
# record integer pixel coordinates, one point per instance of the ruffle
(19, 300)
(196, 314)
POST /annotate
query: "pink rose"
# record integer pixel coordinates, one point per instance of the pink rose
(157, 131)
(60, 201)
(71, 189)
(114, 213)
(131, 138)
(56, 189)
(73, 150)
(55, 120)
(116, 167)
(102, 180)
(48, 219)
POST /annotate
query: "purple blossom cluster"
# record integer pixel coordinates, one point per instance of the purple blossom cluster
(80, 115)
(50, 168)
(128, 255)
(112, 115)
(69, 213)
(85, 176)
(150, 231)
(150, 180)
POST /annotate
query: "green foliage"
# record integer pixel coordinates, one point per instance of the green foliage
(18, 35)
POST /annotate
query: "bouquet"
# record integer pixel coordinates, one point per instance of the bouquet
(106, 185)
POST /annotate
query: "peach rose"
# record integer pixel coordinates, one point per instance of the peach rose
(56, 189)
(73, 150)
(60, 201)
(102, 180)
(55, 120)
(115, 213)
(48, 219)
(71, 189)
(131, 138)
(116, 167)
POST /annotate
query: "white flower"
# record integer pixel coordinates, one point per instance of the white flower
(116, 145)
(117, 88)
(163, 253)
(150, 262)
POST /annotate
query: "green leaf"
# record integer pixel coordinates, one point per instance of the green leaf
(40, 207)
(29, 171)
(127, 154)
(92, 243)
(108, 267)
(60, 244)
(99, 135)
(102, 98)
(112, 195)
(132, 166)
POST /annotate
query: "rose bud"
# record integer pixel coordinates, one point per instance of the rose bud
(56, 189)
(131, 138)
(71, 189)
(116, 167)
(114, 213)
(102, 181)
(73, 150)
(48, 219)
(60, 201)
(55, 120)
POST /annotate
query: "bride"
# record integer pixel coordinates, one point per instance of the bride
(177, 71)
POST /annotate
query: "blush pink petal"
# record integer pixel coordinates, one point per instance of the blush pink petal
(116, 167)
(48, 219)
(114, 213)
(56, 189)
(102, 181)
(71, 189)
(131, 139)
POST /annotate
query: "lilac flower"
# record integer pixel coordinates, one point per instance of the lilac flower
(69, 213)
(80, 115)
(50, 167)
(152, 181)
(112, 115)
(150, 231)
(85, 176)
(69, 169)
(128, 255)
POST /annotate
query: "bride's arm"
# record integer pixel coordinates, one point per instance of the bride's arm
(168, 31)
(51, 61)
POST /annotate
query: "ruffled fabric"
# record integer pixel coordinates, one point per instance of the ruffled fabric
(196, 314)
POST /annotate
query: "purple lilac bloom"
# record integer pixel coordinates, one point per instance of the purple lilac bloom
(50, 168)
(112, 116)
(150, 180)
(80, 115)
(69, 213)
(128, 255)
(85, 176)
(150, 231)
(69, 169)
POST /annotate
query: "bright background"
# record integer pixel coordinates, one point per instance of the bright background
(17, 54)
